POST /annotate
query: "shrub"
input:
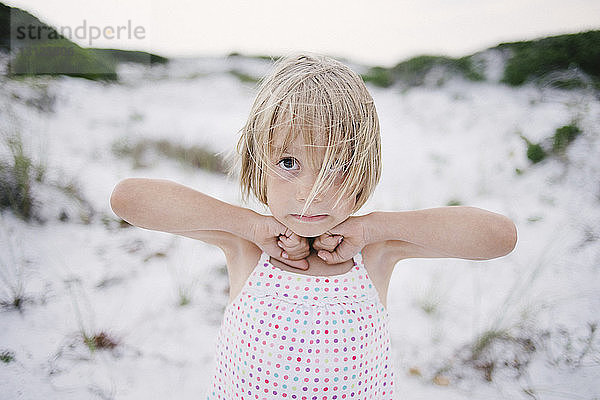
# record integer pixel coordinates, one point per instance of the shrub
(415, 70)
(535, 152)
(7, 356)
(132, 56)
(563, 136)
(379, 76)
(62, 57)
(16, 178)
(535, 59)
(195, 156)
(99, 341)
(57, 55)
(243, 77)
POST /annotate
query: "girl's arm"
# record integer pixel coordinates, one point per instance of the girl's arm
(167, 206)
(456, 232)
(164, 205)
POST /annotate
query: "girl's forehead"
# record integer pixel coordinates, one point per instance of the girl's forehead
(297, 141)
(300, 148)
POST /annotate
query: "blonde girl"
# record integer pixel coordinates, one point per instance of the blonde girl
(307, 315)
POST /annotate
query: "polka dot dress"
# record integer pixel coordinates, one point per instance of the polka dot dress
(303, 337)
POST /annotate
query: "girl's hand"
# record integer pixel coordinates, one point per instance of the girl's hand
(277, 240)
(327, 242)
(294, 247)
(354, 238)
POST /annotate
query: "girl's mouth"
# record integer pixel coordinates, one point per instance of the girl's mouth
(310, 218)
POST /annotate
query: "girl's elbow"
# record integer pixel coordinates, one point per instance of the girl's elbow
(115, 201)
(119, 197)
(502, 240)
(509, 237)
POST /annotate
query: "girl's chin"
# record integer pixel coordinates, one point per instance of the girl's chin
(301, 229)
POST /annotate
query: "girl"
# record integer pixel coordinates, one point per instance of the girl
(307, 315)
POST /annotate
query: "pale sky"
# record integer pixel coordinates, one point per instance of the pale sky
(374, 32)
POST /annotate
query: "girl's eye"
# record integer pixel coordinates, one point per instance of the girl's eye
(287, 163)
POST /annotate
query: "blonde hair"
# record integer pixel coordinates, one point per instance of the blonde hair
(320, 98)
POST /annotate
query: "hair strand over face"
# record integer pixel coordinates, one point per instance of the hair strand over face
(329, 105)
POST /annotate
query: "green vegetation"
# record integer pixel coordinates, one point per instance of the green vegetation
(379, 76)
(414, 71)
(243, 77)
(53, 54)
(16, 179)
(565, 61)
(510, 351)
(194, 156)
(555, 145)
(429, 306)
(117, 56)
(12, 266)
(18, 175)
(100, 341)
(185, 293)
(535, 152)
(4, 27)
(184, 299)
(7, 356)
(62, 57)
(16, 302)
(486, 339)
(537, 59)
(563, 136)
(258, 56)
(72, 189)
(483, 356)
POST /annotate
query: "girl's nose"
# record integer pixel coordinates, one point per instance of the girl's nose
(303, 188)
(303, 195)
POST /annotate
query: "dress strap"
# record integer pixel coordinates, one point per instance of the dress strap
(264, 257)
(358, 260)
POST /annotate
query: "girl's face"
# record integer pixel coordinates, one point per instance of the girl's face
(287, 192)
